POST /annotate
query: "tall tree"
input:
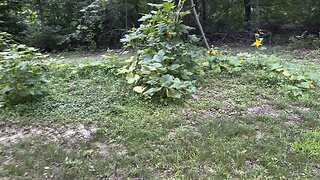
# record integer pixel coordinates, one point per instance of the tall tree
(247, 12)
(257, 14)
(41, 5)
(204, 11)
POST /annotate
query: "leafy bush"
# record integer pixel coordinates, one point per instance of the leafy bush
(165, 63)
(47, 38)
(305, 41)
(22, 71)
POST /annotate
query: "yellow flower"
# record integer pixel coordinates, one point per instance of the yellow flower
(169, 35)
(241, 61)
(258, 42)
(311, 85)
(212, 51)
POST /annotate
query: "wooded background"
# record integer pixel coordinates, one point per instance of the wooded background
(72, 24)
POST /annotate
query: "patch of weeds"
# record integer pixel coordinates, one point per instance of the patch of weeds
(310, 117)
(310, 41)
(282, 117)
(292, 79)
(226, 128)
(90, 97)
(263, 118)
(14, 170)
(309, 144)
(281, 104)
(34, 159)
(311, 102)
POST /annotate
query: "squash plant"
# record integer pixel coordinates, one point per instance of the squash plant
(164, 64)
(295, 80)
(22, 71)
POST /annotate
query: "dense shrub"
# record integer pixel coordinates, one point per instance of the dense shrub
(22, 72)
(48, 38)
(310, 41)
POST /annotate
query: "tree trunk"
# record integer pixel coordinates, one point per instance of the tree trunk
(199, 24)
(137, 14)
(257, 14)
(204, 12)
(126, 18)
(247, 12)
(40, 5)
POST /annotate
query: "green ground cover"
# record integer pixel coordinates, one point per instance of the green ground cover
(91, 126)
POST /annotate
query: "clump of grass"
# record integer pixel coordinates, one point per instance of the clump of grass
(309, 143)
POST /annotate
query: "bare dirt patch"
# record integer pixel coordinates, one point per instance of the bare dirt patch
(264, 109)
(51, 132)
(252, 164)
(293, 120)
(109, 149)
(71, 135)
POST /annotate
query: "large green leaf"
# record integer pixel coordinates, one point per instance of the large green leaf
(133, 79)
(172, 93)
(159, 56)
(167, 6)
(145, 17)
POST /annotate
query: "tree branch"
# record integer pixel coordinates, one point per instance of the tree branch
(193, 6)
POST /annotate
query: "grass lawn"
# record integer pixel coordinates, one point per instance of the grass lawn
(91, 126)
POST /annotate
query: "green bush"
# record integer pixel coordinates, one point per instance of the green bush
(48, 38)
(305, 41)
(165, 64)
(22, 72)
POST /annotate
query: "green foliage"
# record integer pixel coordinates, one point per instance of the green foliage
(294, 80)
(72, 24)
(165, 63)
(9, 16)
(309, 143)
(93, 31)
(46, 38)
(305, 41)
(5, 40)
(232, 124)
(109, 65)
(22, 71)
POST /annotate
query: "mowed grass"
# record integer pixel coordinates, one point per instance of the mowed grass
(92, 126)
